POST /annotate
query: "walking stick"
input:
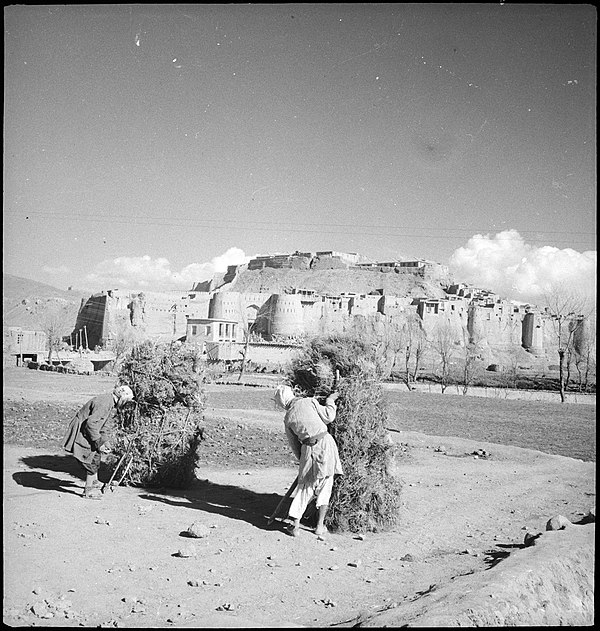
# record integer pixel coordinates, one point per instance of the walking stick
(285, 497)
(109, 484)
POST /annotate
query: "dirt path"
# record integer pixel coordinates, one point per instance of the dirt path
(73, 562)
(116, 555)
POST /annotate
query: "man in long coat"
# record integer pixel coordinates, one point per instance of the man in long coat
(305, 425)
(88, 434)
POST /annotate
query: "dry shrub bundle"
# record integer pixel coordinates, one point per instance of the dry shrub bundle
(162, 427)
(367, 496)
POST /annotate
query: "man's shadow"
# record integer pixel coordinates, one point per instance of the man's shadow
(230, 501)
(59, 464)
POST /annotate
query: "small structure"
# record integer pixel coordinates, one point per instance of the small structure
(20, 345)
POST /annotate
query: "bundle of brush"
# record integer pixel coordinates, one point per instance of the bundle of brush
(162, 428)
(367, 496)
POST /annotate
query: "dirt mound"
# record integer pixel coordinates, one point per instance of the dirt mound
(548, 584)
(334, 282)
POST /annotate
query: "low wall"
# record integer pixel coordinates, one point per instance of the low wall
(550, 583)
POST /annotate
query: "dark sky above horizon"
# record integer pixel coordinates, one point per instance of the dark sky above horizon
(153, 144)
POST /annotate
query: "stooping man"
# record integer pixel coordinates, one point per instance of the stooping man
(305, 424)
(88, 434)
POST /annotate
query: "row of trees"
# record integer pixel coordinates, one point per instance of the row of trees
(403, 346)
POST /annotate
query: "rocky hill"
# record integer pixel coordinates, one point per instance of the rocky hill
(25, 301)
(335, 281)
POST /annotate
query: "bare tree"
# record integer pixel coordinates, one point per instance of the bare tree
(511, 372)
(568, 310)
(443, 342)
(416, 346)
(390, 343)
(249, 331)
(470, 350)
(56, 323)
(584, 353)
(123, 339)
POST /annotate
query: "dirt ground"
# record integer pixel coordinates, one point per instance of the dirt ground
(124, 561)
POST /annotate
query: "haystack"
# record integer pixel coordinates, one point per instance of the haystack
(161, 430)
(367, 496)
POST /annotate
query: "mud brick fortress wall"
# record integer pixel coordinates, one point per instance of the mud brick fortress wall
(477, 315)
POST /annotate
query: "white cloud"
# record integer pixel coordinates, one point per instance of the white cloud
(144, 272)
(507, 265)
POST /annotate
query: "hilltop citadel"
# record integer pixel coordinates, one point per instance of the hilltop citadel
(255, 301)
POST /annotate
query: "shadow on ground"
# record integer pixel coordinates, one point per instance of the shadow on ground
(230, 501)
(58, 464)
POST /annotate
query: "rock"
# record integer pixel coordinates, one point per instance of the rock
(186, 552)
(355, 563)
(530, 538)
(194, 583)
(407, 557)
(198, 530)
(335, 567)
(589, 517)
(559, 522)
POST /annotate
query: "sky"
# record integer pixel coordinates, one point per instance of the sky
(150, 146)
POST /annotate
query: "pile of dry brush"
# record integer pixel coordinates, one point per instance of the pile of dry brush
(161, 428)
(367, 496)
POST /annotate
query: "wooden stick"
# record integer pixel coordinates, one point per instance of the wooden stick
(286, 496)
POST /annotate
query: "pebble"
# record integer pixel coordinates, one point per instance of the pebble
(186, 552)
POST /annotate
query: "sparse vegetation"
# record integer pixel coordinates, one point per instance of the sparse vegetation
(367, 496)
(162, 429)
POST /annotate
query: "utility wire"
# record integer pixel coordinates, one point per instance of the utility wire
(267, 226)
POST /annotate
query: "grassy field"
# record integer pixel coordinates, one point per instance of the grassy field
(564, 429)
(556, 428)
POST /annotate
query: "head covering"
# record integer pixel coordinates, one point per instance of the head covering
(283, 396)
(123, 394)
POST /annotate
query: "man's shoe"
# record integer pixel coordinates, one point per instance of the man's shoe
(91, 494)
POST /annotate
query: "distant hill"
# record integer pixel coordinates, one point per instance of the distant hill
(24, 301)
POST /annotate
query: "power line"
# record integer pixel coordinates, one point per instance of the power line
(263, 225)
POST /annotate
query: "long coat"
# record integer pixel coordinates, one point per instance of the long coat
(306, 418)
(89, 428)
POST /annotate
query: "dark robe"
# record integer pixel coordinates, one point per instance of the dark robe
(90, 428)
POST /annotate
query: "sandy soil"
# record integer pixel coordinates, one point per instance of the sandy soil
(114, 562)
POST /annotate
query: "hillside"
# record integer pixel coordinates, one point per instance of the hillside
(24, 301)
(336, 281)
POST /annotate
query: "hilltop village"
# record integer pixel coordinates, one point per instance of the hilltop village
(253, 305)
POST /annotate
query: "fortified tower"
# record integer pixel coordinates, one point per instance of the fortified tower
(285, 315)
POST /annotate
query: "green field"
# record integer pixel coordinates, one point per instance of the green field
(556, 428)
